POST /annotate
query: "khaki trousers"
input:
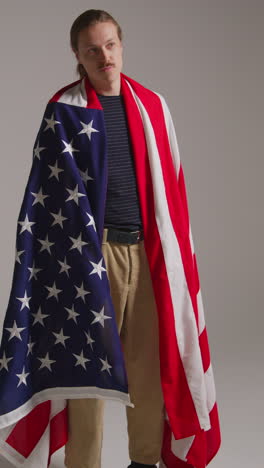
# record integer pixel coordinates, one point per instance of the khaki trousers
(137, 322)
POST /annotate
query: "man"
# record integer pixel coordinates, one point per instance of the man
(105, 266)
(98, 49)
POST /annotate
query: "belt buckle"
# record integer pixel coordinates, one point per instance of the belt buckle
(138, 238)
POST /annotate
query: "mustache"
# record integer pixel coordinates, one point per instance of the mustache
(107, 65)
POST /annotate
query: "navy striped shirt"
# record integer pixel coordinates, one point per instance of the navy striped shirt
(122, 210)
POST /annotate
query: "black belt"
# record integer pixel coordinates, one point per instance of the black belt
(124, 237)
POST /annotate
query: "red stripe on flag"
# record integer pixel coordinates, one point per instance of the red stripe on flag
(28, 431)
(175, 194)
(204, 346)
(58, 432)
(92, 99)
(196, 274)
(213, 436)
(197, 453)
(206, 444)
(182, 189)
(178, 400)
(174, 188)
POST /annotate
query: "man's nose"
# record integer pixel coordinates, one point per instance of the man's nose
(104, 55)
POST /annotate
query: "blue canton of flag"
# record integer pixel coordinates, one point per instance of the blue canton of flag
(59, 335)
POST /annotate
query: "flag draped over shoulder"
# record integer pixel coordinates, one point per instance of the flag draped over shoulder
(60, 339)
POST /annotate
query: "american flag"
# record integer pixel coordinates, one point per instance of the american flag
(60, 339)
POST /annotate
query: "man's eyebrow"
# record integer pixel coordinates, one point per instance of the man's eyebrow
(94, 45)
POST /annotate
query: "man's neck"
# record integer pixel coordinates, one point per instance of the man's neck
(108, 89)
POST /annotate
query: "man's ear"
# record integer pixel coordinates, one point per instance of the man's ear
(76, 54)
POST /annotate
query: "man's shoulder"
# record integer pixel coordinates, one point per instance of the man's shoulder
(68, 92)
(77, 93)
(142, 90)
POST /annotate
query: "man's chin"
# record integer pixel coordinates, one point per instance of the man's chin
(109, 76)
(106, 78)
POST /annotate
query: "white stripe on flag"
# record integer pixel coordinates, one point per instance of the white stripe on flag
(181, 447)
(209, 378)
(186, 329)
(75, 96)
(201, 320)
(210, 386)
(171, 135)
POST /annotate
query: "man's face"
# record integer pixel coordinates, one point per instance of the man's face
(100, 52)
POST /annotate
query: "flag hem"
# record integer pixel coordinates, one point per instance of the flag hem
(61, 393)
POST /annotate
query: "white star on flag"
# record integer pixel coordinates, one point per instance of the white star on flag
(69, 148)
(37, 150)
(15, 331)
(81, 292)
(39, 197)
(25, 301)
(88, 129)
(71, 314)
(4, 361)
(33, 271)
(22, 377)
(26, 225)
(64, 267)
(91, 222)
(46, 362)
(58, 218)
(74, 195)
(46, 244)
(18, 253)
(51, 123)
(61, 338)
(77, 243)
(100, 317)
(39, 317)
(55, 170)
(81, 360)
(85, 176)
(98, 268)
(53, 291)
(30, 346)
(90, 341)
(106, 365)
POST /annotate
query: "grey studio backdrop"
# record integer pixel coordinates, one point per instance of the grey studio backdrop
(206, 58)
